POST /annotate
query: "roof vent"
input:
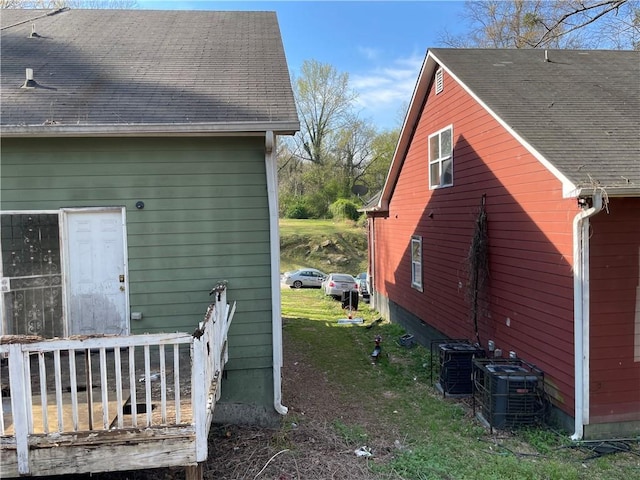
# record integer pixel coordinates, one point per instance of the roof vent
(29, 82)
(33, 33)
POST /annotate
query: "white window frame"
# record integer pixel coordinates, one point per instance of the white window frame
(443, 160)
(416, 262)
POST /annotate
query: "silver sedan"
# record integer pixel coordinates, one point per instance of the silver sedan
(337, 283)
(305, 277)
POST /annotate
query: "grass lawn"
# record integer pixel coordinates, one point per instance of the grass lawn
(290, 226)
(442, 439)
(330, 246)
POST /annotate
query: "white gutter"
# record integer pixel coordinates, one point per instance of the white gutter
(581, 313)
(148, 129)
(276, 319)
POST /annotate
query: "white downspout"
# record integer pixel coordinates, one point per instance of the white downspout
(581, 313)
(372, 264)
(274, 234)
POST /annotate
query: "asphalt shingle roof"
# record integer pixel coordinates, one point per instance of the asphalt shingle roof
(579, 109)
(133, 67)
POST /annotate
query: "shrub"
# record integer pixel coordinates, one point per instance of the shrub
(344, 209)
(362, 221)
(297, 210)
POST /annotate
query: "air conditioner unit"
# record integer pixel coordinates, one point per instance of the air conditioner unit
(456, 366)
(510, 393)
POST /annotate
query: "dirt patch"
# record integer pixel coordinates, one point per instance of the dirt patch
(309, 446)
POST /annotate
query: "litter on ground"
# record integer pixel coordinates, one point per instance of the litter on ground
(363, 451)
(353, 321)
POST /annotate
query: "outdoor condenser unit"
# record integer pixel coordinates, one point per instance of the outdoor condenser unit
(456, 366)
(510, 393)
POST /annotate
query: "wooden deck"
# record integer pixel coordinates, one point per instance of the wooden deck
(49, 421)
(79, 405)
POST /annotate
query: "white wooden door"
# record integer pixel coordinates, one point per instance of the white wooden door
(97, 285)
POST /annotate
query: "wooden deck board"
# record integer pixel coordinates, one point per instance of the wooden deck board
(84, 423)
(186, 414)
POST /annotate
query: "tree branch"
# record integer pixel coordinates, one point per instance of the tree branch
(610, 4)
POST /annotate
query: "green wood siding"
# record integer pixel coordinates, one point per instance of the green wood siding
(206, 218)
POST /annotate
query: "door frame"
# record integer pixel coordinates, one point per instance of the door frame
(65, 255)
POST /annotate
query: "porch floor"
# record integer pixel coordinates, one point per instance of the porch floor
(61, 419)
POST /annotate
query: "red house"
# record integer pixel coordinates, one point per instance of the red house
(511, 214)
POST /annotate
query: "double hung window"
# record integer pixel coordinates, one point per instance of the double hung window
(441, 158)
(416, 262)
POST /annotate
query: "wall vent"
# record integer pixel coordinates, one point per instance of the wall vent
(439, 80)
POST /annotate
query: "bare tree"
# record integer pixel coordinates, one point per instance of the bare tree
(382, 149)
(353, 150)
(619, 31)
(56, 4)
(549, 24)
(333, 149)
(324, 101)
(290, 170)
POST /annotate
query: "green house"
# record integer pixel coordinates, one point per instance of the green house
(138, 169)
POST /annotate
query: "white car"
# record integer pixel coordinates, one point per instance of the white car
(337, 283)
(305, 277)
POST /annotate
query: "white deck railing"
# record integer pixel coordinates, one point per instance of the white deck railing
(106, 383)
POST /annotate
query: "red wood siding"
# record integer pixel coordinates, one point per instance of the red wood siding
(615, 284)
(530, 232)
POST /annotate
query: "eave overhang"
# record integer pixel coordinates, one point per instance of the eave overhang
(611, 192)
(148, 130)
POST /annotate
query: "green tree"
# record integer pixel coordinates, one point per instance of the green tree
(333, 148)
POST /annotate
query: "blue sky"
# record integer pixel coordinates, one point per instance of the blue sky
(380, 44)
